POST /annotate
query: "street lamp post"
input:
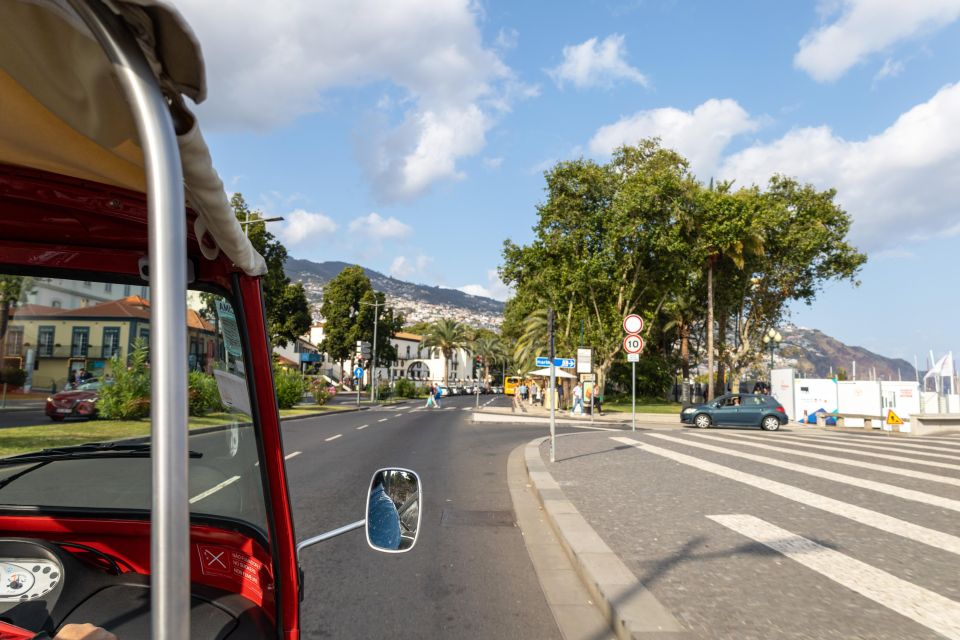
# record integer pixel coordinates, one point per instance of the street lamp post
(246, 223)
(772, 338)
(373, 369)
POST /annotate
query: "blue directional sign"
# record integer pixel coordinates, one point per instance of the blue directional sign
(358, 372)
(563, 363)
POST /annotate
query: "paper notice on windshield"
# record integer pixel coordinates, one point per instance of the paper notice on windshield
(233, 391)
(229, 329)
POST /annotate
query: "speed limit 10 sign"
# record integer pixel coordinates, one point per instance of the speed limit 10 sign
(633, 344)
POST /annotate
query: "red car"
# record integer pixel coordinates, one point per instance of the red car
(75, 403)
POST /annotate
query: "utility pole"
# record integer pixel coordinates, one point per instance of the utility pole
(553, 387)
(373, 367)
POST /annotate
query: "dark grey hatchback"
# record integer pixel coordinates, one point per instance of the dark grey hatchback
(738, 410)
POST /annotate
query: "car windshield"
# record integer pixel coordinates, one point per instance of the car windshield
(75, 335)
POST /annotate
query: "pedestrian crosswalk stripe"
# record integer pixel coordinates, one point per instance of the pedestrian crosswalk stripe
(882, 487)
(923, 606)
(868, 517)
(853, 447)
(909, 473)
(943, 446)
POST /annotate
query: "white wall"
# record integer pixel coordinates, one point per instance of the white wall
(781, 388)
(812, 395)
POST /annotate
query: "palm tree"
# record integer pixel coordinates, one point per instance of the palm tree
(491, 350)
(446, 336)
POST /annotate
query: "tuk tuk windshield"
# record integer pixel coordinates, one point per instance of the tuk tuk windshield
(75, 361)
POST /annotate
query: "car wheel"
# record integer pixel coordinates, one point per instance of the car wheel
(703, 421)
(56, 418)
(770, 423)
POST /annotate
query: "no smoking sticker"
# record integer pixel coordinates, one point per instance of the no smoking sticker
(228, 563)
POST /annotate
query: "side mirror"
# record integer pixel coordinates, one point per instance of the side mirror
(393, 510)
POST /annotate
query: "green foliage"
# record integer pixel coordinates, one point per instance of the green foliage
(13, 376)
(654, 376)
(203, 396)
(320, 390)
(405, 388)
(289, 385)
(128, 398)
(446, 336)
(288, 313)
(341, 298)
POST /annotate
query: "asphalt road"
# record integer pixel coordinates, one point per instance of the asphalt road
(469, 575)
(23, 417)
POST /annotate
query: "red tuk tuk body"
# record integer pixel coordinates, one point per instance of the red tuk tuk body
(57, 222)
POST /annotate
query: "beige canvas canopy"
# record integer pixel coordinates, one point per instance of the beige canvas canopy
(558, 372)
(63, 111)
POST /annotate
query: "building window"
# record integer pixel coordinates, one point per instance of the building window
(408, 351)
(45, 337)
(107, 287)
(126, 291)
(80, 342)
(87, 283)
(56, 304)
(14, 341)
(111, 342)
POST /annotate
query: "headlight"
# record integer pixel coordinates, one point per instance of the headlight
(689, 410)
(49, 398)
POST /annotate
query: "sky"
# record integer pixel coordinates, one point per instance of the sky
(411, 136)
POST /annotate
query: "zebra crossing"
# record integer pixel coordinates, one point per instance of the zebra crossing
(899, 493)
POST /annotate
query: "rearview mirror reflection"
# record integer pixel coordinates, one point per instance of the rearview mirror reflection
(393, 510)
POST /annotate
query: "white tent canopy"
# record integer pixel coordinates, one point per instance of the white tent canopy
(545, 372)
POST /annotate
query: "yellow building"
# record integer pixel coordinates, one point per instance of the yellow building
(61, 342)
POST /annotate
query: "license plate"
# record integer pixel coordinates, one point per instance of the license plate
(64, 410)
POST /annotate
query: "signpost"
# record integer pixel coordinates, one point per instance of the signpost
(584, 360)
(563, 363)
(358, 376)
(553, 387)
(633, 344)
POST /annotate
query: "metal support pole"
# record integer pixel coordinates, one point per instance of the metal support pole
(170, 533)
(633, 380)
(373, 367)
(553, 412)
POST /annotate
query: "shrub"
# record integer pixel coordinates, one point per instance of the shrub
(203, 394)
(289, 386)
(321, 391)
(405, 388)
(13, 376)
(128, 398)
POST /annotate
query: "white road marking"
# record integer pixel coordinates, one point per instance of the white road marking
(882, 487)
(292, 455)
(383, 419)
(874, 519)
(397, 415)
(852, 447)
(895, 443)
(909, 473)
(339, 435)
(362, 427)
(923, 606)
(212, 490)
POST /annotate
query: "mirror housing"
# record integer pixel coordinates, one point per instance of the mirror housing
(393, 510)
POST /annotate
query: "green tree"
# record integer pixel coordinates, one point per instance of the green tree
(388, 323)
(288, 313)
(341, 299)
(444, 337)
(607, 243)
(489, 348)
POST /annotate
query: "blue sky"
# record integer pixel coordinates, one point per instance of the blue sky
(411, 136)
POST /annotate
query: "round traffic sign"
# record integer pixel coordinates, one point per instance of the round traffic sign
(633, 323)
(633, 343)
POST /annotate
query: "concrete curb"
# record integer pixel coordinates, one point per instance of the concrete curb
(521, 418)
(633, 612)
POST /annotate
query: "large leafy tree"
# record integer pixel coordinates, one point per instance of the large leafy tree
(288, 313)
(446, 336)
(607, 244)
(12, 290)
(341, 299)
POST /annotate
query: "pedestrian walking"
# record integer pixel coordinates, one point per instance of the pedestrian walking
(430, 401)
(598, 401)
(560, 404)
(537, 394)
(438, 395)
(577, 400)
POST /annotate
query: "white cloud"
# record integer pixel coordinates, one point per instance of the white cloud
(507, 39)
(493, 289)
(596, 64)
(302, 225)
(376, 226)
(700, 135)
(430, 50)
(865, 27)
(403, 267)
(492, 163)
(891, 69)
(899, 185)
